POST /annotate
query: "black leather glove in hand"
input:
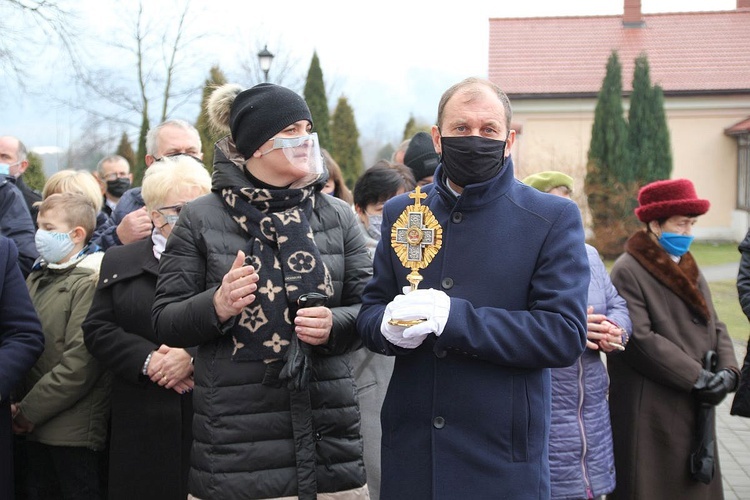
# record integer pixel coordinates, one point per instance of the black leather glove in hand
(713, 391)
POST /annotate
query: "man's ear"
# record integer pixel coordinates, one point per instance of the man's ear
(509, 142)
(23, 166)
(149, 159)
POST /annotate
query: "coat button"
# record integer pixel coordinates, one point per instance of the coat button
(441, 353)
(318, 437)
(457, 217)
(695, 321)
(438, 422)
(114, 276)
(106, 280)
(447, 283)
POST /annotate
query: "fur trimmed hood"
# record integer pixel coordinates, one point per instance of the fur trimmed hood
(682, 278)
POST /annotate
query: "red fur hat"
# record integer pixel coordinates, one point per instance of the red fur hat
(663, 199)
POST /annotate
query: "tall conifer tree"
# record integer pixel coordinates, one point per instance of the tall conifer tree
(315, 95)
(208, 135)
(345, 135)
(125, 150)
(648, 134)
(608, 171)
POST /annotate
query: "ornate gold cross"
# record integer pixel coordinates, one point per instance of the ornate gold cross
(416, 237)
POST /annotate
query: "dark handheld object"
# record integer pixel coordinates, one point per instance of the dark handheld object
(702, 460)
(298, 367)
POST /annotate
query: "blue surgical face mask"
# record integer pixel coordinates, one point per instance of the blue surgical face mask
(5, 167)
(675, 244)
(374, 223)
(53, 246)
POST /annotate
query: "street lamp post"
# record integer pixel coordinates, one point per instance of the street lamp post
(265, 58)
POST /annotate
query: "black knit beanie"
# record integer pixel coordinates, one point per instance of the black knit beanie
(420, 156)
(261, 112)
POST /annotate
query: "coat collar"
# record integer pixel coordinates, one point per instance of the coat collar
(128, 261)
(478, 194)
(682, 278)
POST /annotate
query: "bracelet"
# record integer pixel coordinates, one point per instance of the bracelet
(144, 370)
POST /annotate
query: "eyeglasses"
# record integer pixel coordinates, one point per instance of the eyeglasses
(171, 219)
(115, 175)
(175, 155)
(176, 208)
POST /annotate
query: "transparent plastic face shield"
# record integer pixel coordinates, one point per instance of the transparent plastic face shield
(303, 153)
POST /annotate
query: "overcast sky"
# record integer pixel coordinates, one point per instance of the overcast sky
(391, 58)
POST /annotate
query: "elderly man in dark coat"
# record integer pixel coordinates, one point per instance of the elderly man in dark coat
(659, 381)
(467, 412)
(21, 344)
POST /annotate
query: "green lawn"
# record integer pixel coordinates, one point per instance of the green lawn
(724, 293)
(711, 254)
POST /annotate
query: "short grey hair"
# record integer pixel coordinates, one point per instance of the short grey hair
(22, 153)
(468, 82)
(108, 159)
(151, 143)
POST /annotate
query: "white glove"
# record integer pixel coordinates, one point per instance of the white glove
(432, 305)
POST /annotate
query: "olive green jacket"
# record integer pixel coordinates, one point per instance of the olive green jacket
(66, 393)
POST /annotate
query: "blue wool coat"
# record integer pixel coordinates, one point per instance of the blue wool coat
(467, 413)
(21, 344)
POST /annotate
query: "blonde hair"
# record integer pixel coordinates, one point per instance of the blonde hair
(74, 181)
(171, 175)
(75, 208)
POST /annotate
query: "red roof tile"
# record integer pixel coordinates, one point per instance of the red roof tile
(695, 52)
(738, 128)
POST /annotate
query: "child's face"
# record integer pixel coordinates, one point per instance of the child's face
(55, 223)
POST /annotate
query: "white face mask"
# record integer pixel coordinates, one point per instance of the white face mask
(374, 225)
(53, 246)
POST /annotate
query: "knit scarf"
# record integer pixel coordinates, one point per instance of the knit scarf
(282, 250)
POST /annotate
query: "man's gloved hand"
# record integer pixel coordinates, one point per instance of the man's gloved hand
(712, 388)
(431, 305)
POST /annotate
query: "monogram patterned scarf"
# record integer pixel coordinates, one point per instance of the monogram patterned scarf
(282, 250)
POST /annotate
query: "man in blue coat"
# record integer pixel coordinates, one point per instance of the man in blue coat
(467, 410)
(21, 344)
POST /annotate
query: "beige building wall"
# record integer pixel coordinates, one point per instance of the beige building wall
(555, 135)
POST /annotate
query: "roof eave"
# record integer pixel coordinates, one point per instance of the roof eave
(593, 95)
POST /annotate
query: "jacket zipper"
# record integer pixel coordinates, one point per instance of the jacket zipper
(584, 444)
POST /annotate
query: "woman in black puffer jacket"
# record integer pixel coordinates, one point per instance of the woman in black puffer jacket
(275, 408)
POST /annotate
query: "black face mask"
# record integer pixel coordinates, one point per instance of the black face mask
(471, 159)
(118, 186)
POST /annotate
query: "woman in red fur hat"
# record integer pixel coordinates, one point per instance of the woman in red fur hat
(660, 382)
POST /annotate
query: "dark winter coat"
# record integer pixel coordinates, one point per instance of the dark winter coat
(16, 224)
(31, 196)
(582, 462)
(743, 276)
(467, 414)
(244, 443)
(21, 344)
(118, 332)
(105, 235)
(653, 410)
